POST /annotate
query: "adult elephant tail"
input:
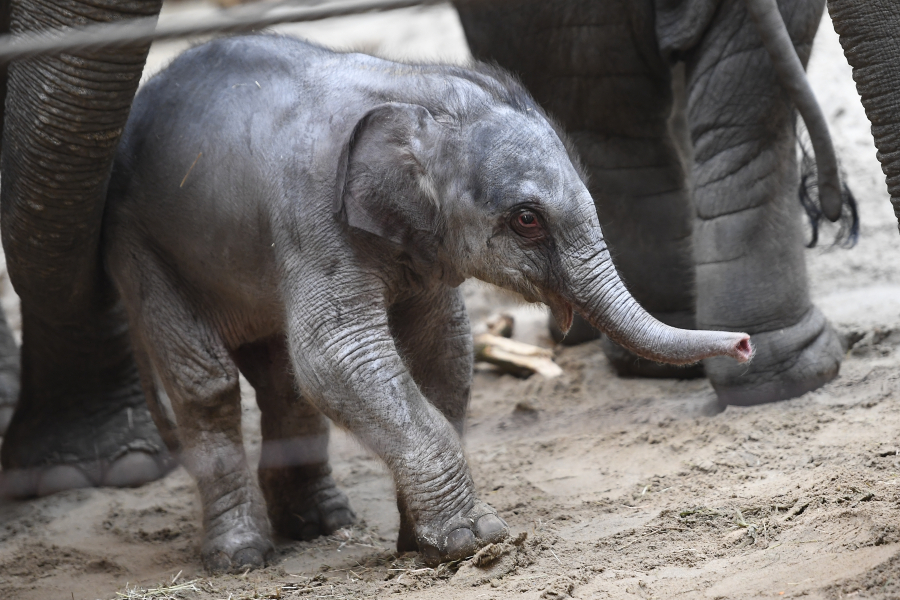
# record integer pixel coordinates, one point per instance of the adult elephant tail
(792, 76)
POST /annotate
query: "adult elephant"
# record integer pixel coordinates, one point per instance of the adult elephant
(81, 419)
(711, 237)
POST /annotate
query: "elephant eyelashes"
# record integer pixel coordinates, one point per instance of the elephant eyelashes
(527, 224)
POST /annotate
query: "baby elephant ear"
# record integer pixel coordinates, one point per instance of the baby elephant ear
(384, 184)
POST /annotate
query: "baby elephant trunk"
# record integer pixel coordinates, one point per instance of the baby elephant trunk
(599, 295)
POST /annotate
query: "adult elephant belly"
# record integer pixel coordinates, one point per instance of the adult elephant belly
(705, 233)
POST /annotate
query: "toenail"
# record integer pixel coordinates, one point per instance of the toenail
(247, 557)
(131, 470)
(461, 543)
(216, 562)
(491, 528)
(61, 478)
(430, 555)
(18, 483)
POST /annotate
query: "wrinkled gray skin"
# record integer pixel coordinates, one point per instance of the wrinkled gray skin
(869, 37)
(304, 217)
(80, 419)
(705, 227)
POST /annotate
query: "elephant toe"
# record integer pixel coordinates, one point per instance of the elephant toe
(248, 558)
(334, 511)
(461, 543)
(491, 529)
(462, 535)
(229, 557)
(130, 470)
(61, 478)
(133, 469)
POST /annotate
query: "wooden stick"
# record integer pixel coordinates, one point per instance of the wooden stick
(516, 358)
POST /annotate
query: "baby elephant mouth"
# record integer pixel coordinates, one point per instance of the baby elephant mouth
(561, 309)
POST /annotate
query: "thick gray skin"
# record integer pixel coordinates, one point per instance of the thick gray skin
(869, 37)
(9, 351)
(724, 216)
(278, 208)
(81, 418)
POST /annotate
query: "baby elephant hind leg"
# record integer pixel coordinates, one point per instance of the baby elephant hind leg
(302, 499)
(201, 381)
(435, 340)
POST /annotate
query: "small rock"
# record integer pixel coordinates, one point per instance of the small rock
(706, 466)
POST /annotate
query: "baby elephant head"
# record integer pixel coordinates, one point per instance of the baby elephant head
(492, 192)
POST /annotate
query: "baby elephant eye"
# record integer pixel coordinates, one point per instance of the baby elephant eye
(526, 224)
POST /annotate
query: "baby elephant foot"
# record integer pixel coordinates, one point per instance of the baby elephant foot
(462, 535)
(235, 542)
(786, 363)
(305, 503)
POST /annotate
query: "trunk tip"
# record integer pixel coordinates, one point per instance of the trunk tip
(742, 350)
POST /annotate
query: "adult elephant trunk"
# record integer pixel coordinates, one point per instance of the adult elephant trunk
(868, 33)
(81, 411)
(600, 296)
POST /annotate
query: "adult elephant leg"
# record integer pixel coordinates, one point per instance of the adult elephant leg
(9, 350)
(81, 418)
(595, 66)
(751, 273)
(9, 373)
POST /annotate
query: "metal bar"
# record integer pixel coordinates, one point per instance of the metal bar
(102, 36)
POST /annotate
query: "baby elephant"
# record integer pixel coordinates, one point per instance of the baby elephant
(304, 217)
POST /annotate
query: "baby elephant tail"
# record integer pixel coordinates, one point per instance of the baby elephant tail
(792, 76)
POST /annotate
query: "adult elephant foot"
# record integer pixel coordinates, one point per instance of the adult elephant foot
(459, 536)
(117, 446)
(89, 427)
(788, 363)
(304, 502)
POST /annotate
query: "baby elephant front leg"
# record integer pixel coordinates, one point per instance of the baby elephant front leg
(354, 373)
(433, 334)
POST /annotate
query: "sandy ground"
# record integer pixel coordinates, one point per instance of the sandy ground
(622, 488)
